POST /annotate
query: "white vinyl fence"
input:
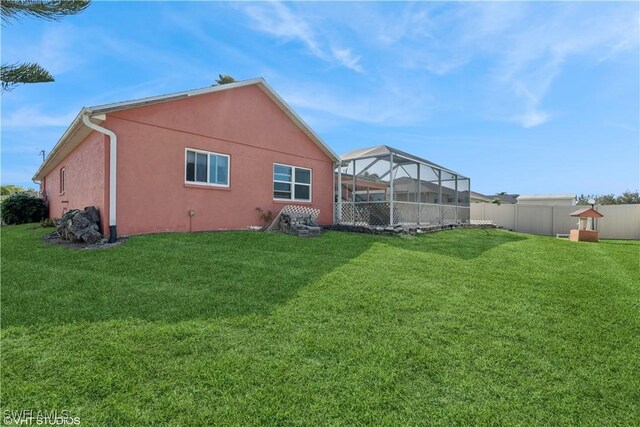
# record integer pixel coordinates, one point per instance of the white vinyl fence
(619, 222)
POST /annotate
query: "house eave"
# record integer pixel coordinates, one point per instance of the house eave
(140, 102)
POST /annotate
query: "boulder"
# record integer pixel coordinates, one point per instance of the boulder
(92, 214)
(80, 226)
(91, 236)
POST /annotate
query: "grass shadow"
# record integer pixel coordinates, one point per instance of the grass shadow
(462, 244)
(169, 277)
(180, 276)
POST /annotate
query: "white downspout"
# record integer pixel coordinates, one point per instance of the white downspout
(339, 213)
(113, 150)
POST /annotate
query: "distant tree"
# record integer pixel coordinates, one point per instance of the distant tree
(606, 199)
(369, 175)
(626, 198)
(8, 189)
(497, 201)
(629, 198)
(51, 10)
(502, 193)
(224, 79)
(583, 199)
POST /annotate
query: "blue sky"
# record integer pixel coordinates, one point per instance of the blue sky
(521, 97)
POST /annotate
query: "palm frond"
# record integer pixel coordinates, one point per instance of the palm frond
(12, 75)
(51, 10)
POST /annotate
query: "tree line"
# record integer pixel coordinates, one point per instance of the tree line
(626, 198)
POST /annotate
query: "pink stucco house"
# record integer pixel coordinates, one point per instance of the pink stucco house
(189, 161)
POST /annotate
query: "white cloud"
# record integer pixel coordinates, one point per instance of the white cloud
(57, 50)
(522, 48)
(384, 26)
(388, 104)
(31, 117)
(278, 20)
(531, 50)
(197, 26)
(346, 58)
(442, 66)
(532, 119)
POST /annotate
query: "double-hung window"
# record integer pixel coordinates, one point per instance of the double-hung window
(203, 167)
(291, 183)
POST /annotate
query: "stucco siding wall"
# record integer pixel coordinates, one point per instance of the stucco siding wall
(242, 123)
(84, 180)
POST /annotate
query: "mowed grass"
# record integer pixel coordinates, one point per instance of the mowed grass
(245, 328)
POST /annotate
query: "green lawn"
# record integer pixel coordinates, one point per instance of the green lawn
(246, 328)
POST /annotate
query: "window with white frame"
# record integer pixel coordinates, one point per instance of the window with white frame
(204, 167)
(291, 183)
(62, 181)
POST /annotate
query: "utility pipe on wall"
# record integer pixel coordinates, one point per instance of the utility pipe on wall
(113, 150)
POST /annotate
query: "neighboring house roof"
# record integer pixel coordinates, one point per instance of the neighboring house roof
(480, 197)
(587, 213)
(77, 132)
(504, 198)
(385, 150)
(547, 197)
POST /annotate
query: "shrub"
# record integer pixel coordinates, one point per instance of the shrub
(48, 222)
(265, 216)
(20, 208)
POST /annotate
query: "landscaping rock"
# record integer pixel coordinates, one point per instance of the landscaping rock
(91, 236)
(413, 229)
(80, 226)
(92, 214)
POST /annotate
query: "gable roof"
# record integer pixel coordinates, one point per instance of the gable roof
(478, 196)
(586, 213)
(511, 199)
(547, 196)
(77, 131)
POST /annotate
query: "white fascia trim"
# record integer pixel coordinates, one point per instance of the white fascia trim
(151, 99)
